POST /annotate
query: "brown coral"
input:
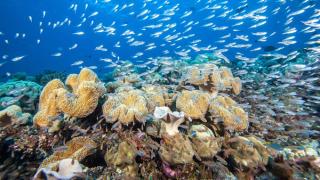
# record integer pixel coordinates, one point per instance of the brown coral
(77, 148)
(204, 141)
(209, 77)
(232, 115)
(155, 96)
(193, 103)
(247, 152)
(176, 149)
(125, 107)
(123, 158)
(80, 102)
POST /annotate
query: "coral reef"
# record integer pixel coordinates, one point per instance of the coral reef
(193, 103)
(86, 89)
(22, 93)
(13, 115)
(122, 158)
(213, 79)
(126, 107)
(78, 148)
(190, 122)
(204, 141)
(232, 115)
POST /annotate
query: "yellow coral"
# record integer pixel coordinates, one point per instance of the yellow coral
(210, 78)
(123, 157)
(80, 102)
(233, 116)
(13, 115)
(203, 141)
(176, 149)
(193, 103)
(77, 148)
(155, 96)
(125, 107)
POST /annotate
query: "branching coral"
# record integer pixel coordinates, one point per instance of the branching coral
(209, 77)
(77, 148)
(204, 141)
(193, 103)
(13, 115)
(126, 107)
(80, 102)
(232, 115)
(123, 158)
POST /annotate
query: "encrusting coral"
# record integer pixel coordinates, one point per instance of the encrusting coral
(247, 152)
(210, 78)
(125, 107)
(86, 89)
(13, 115)
(193, 103)
(204, 141)
(155, 96)
(123, 158)
(231, 114)
(77, 148)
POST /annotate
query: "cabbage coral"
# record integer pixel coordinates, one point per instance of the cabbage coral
(81, 101)
(170, 120)
(209, 77)
(193, 103)
(77, 148)
(125, 107)
(232, 115)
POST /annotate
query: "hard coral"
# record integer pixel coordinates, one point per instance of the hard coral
(77, 148)
(126, 107)
(209, 77)
(80, 102)
(193, 103)
(13, 115)
(232, 115)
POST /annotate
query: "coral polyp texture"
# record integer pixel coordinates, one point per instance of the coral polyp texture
(193, 103)
(80, 101)
(232, 115)
(213, 79)
(77, 148)
(191, 122)
(126, 107)
(13, 115)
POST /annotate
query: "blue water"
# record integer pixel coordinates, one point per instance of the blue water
(14, 19)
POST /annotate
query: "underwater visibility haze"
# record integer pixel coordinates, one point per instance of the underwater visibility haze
(160, 89)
